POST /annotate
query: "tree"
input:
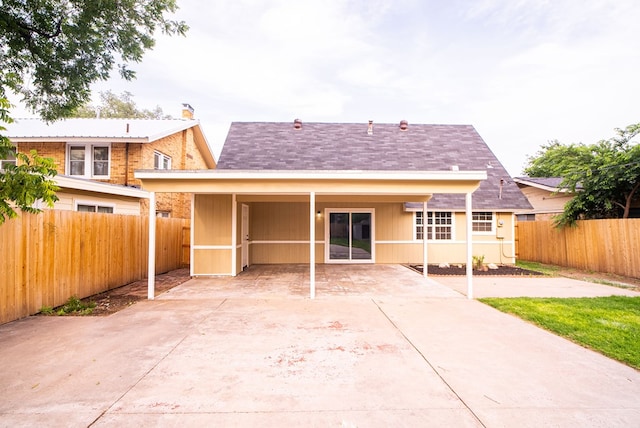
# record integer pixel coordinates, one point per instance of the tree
(26, 182)
(51, 51)
(608, 173)
(123, 106)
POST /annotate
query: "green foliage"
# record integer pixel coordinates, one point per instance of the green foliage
(478, 262)
(27, 182)
(46, 310)
(555, 159)
(72, 306)
(610, 325)
(52, 50)
(607, 175)
(75, 305)
(122, 106)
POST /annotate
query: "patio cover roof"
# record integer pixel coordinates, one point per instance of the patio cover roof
(400, 184)
(312, 186)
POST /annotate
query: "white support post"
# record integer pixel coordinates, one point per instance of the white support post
(425, 261)
(151, 274)
(192, 234)
(469, 220)
(312, 245)
(234, 234)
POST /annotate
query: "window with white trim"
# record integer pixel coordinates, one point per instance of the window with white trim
(88, 160)
(10, 160)
(94, 208)
(419, 225)
(482, 221)
(161, 161)
(439, 225)
(163, 214)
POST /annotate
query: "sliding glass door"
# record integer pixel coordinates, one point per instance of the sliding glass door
(349, 236)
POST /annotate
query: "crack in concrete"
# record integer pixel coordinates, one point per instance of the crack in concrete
(429, 363)
(173, 348)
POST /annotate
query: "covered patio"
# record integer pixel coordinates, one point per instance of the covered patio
(220, 210)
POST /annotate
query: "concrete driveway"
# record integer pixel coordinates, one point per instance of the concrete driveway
(380, 346)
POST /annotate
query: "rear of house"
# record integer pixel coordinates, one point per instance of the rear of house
(347, 193)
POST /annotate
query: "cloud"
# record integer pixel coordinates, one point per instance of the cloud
(521, 71)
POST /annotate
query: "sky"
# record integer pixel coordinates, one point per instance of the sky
(522, 72)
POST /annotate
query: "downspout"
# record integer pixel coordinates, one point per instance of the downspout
(126, 164)
(126, 158)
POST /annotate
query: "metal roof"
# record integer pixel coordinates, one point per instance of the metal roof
(140, 130)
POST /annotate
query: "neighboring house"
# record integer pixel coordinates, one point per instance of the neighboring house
(80, 194)
(546, 196)
(355, 191)
(108, 151)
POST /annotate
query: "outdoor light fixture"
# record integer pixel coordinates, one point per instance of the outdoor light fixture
(318, 213)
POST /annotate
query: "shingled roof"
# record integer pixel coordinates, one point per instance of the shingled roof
(552, 184)
(349, 146)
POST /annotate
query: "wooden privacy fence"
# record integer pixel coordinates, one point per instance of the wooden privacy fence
(51, 256)
(611, 246)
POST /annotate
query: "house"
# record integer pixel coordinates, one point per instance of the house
(108, 151)
(546, 195)
(80, 194)
(347, 193)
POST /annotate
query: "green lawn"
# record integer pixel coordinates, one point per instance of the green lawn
(364, 244)
(610, 325)
(538, 267)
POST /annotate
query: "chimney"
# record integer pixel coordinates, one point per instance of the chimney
(187, 111)
(297, 124)
(370, 128)
(404, 125)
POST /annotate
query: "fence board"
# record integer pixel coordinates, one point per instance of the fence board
(608, 246)
(48, 257)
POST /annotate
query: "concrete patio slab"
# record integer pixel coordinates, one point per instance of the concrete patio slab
(254, 350)
(497, 286)
(292, 281)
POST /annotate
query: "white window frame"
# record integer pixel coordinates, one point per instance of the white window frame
(416, 226)
(475, 222)
(327, 235)
(88, 160)
(426, 228)
(163, 160)
(11, 160)
(163, 214)
(95, 204)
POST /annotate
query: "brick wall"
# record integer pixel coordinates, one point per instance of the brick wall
(56, 151)
(184, 154)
